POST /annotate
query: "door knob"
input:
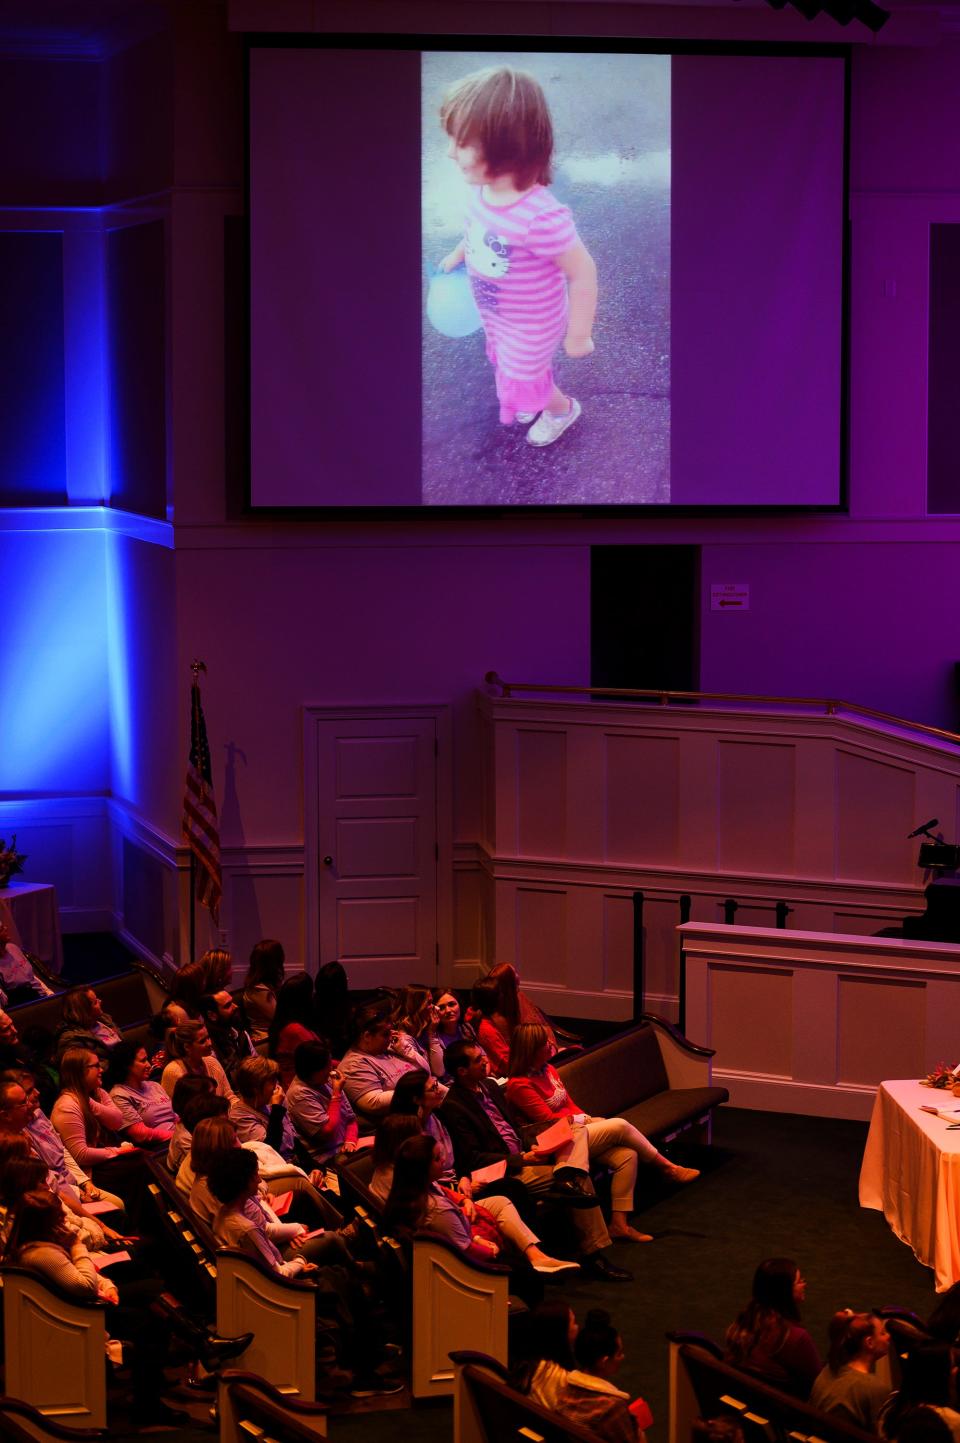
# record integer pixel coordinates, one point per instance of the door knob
(328, 861)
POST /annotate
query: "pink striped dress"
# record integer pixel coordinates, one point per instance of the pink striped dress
(520, 291)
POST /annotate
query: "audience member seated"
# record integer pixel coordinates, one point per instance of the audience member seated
(259, 1113)
(535, 1090)
(289, 1028)
(21, 1171)
(418, 1094)
(331, 1007)
(492, 1027)
(928, 1380)
(546, 1353)
(589, 1396)
(767, 1338)
(85, 1115)
(485, 1131)
(9, 1039)
(215, 1136)
(21, 1118)
(18, 981)
(233, 1181)
(322, 1116)
(416, 1016)
(187, 1088)
(210, 974)
(451, 1027)
(191, 1054)
(171, 1014)
(378, 1057)
(943, 1323)
(40, 1241)
(501, 1007)
(148, 1117)
(229, 1038)
(848, 1385)
(85, 1024)
(479, 1230)
(260, 987)
(392, 1131)
(201, 1107)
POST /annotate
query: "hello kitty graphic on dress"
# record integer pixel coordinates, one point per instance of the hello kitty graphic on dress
(488, 260)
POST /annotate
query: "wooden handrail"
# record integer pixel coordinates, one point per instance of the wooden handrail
(829, 705)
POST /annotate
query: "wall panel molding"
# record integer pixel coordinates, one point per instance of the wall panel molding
(761, 805)
(811, 1022)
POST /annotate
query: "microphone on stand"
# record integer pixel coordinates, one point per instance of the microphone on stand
(924, 827)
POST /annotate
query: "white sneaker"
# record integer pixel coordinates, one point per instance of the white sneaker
(524, 417)
(550, 428)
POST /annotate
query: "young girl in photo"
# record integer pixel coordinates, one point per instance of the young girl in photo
(533, 279)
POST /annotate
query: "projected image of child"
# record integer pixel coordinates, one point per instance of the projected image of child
(532, 277)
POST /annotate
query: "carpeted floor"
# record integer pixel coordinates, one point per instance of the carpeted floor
(772, 1185)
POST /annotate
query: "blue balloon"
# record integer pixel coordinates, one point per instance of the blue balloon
(451, 308)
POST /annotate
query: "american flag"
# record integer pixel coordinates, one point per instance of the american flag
(201, 830)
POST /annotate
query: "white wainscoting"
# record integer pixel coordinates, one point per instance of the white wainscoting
(588, 802)
(811, 1022)
(67, 842)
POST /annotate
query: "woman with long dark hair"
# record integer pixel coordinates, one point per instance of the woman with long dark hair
(547, 1338)
(147, 1112)
(767, 1337)
(480, 1230)
(85, 1115)
(292, 1023)
(260, 987)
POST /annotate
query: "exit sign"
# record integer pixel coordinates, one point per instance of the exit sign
(730, 596)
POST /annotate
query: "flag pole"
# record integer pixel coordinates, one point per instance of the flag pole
(193, 907)
(196, 667)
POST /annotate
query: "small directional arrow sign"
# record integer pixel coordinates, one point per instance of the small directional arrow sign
(729, 596)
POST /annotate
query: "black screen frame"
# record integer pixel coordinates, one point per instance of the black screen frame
(515, 42)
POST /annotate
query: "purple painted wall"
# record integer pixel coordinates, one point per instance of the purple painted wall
(858, 607)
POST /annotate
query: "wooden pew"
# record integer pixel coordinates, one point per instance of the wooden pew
(250, 1407)
(487, 1410)
(54, 1349)
(22, 1423)
(702, 1385)
(452, 1302)
(457, 1304)
(282, 1315)
(244, 1295)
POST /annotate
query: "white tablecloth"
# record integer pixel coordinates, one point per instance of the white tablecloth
(31, 913)
(911, 1172)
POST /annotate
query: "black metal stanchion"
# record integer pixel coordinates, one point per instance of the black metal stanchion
(639, 983)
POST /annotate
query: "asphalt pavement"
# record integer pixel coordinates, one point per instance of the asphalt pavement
(611, 118)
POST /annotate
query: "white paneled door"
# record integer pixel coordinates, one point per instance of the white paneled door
(376, 847)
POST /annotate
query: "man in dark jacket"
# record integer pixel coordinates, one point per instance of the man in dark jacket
(484, 1133)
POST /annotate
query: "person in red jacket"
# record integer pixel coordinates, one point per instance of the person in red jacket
(535, 1090)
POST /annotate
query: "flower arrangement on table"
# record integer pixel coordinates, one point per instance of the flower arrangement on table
(11, 861)
(942, 1076)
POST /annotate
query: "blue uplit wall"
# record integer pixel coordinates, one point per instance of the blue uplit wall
(33, 466)
(88, 617)
(54, 713)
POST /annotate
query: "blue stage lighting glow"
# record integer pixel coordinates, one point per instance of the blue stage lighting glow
(53, 679)
(117, 638)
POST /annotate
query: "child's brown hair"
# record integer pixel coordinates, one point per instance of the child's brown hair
(504, 113)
